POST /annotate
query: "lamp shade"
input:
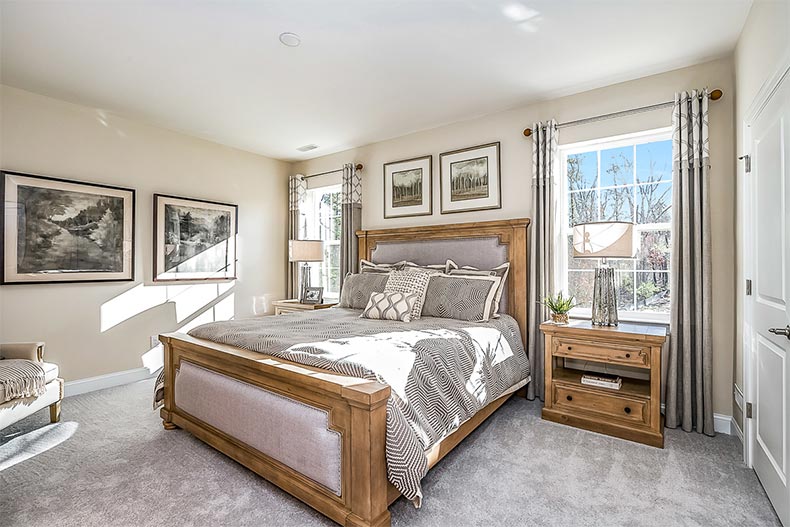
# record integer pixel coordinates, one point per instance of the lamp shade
(604, 240)
(305, 251)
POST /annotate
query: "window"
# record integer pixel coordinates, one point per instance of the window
(321, 220)
(621, 179)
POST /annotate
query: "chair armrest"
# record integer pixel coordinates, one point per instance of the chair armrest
(23, 350)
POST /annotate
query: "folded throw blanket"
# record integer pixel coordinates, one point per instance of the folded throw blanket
(21, 378)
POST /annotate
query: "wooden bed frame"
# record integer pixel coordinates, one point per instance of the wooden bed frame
(357, 408)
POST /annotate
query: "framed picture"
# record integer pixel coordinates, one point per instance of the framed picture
(312, 295)
(57, 230)
(470, 179)
(194, 239)
(408, 187)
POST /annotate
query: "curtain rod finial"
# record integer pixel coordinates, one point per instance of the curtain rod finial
(359, 166)
(716, 94)
(527, 132)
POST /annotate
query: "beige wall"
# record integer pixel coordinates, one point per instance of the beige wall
(763, 47)
(516, 152)
(50, 137)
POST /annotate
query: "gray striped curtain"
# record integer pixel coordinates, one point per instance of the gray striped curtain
(351, 201)
(296, 194)
(689, 384)
(541, 245)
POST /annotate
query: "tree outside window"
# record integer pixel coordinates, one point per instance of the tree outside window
(321, 220)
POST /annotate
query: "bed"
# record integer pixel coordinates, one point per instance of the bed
(322, 433)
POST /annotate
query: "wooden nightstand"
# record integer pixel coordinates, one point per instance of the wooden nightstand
(634, 411)
(291, 306)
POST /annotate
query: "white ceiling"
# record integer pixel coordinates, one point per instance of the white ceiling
(367, 70)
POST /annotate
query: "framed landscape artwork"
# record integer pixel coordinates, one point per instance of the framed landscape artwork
(407, 187)
(194, 239)
(470, 179)
(57, 230)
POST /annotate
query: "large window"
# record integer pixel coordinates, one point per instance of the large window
(623, 179)
(321, 220)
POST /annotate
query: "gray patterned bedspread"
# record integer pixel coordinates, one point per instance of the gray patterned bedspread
(441, 371)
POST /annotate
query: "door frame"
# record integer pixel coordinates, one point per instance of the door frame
(761, 100)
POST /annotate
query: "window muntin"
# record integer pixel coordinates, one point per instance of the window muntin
(625, 179)
(321, 220)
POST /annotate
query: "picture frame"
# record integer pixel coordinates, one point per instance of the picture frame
(405, 182)
(312, 295)
(194, 239)
(470, 179)
(57, 230)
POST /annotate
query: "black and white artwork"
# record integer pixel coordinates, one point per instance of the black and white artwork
(312, 295)
(407, 187)
(65, 231)
(470, 179)
(195, 239)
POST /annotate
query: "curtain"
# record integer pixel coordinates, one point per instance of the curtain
(351, 201)
(541, 246)
(689, 390)
(296, 194)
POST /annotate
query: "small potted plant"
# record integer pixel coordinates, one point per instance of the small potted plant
(560, 306)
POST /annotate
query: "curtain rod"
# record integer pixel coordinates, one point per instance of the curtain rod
(715, 95)
(358, 166)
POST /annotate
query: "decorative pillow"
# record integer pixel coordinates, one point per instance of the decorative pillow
(501, 271)
(366, 266)
(390, 306)
(409, 282)
(357, 289)
(461, 297)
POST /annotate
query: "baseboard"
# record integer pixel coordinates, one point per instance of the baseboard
(109, 380)
(722, 424)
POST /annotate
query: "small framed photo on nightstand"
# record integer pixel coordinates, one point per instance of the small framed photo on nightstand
(312, 295)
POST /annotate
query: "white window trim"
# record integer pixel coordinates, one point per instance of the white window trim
(647, 136)
(331, 188)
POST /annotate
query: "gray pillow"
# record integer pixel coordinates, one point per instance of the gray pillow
(357, 289)
(461, 297)
(501, 271)
(390, 306)
(366, 266)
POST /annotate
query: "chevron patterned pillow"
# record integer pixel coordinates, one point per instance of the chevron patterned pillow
(501, 271)
(357, 288)
(390, 306)
(461, 297)
(411, 281)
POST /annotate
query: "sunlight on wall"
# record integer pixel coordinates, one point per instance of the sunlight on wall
(188, 300)
(222, 310)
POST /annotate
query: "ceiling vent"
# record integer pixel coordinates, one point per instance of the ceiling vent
(307, 148)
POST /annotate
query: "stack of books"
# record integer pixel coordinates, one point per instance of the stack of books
(602, 380)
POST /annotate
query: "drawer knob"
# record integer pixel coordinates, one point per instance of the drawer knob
(627, 409)
(569, 397)
(627, 355)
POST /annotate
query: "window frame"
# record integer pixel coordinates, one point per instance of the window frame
(561, 263)
(314, 212)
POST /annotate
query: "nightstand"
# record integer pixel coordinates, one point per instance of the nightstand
(292, 306)
(634, 411)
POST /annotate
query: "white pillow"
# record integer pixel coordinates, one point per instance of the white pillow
(390, 306)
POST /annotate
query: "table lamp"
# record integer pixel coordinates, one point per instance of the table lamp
(604, 240)
(305, 251)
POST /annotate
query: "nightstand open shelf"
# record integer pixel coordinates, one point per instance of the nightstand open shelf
(633, 412)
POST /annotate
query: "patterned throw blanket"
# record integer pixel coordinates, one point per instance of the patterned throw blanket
(21, 378)
(441, 371)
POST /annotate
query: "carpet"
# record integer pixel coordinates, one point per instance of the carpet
(110, 463)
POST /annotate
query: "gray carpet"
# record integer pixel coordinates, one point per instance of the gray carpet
(110, 462)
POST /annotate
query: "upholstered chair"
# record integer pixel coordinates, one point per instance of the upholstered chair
(19, 408)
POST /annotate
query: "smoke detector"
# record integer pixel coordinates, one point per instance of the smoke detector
(291, 40)
(307, 148)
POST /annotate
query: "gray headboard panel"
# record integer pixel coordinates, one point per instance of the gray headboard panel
(483, 253)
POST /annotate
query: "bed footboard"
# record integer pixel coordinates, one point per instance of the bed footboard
(221, 389)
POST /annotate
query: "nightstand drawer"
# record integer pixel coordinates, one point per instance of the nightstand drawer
(613, 405)
(615, 353)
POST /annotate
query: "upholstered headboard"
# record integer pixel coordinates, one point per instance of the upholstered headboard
(484, 245)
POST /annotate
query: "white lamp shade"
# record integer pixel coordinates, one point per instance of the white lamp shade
(305, 251)
(604, 240)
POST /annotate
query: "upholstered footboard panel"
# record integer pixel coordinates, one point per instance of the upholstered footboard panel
(295, 434)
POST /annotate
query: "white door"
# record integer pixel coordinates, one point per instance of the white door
(770, 300)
